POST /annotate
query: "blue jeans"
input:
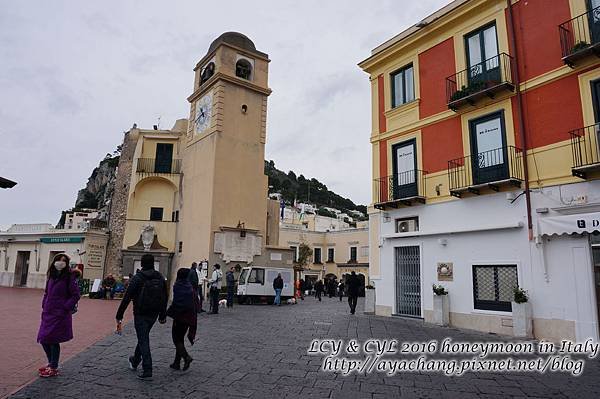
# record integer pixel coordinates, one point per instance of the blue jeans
(52, 353)
(143, 325)
(277, 296)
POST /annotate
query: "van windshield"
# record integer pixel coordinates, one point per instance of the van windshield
(243, 275)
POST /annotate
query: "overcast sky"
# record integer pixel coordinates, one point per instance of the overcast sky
(75, 74)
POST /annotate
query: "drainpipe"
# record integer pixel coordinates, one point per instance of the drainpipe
(513, 43)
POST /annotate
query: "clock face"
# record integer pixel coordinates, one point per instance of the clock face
(203, 113)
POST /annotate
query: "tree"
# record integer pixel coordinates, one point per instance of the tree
(304, 255)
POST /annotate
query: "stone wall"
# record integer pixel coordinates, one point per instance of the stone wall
(118, 205)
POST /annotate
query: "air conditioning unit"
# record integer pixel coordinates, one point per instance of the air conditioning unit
(405, 226)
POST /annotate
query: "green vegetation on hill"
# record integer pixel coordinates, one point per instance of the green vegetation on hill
(307, 190)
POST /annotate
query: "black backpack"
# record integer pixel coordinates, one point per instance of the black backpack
(151, 299)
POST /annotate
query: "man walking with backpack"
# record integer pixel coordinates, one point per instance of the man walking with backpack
(148, 291)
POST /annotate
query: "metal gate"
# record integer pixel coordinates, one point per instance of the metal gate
(408, 281)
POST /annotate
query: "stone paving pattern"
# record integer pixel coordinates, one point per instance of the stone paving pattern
(20, 312)
(260, 351)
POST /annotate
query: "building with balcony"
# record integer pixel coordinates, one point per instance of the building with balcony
(485, 160)
(146, 196)
(198, 191)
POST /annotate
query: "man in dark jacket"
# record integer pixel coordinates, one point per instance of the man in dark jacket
(230, 280)
(148, 291)
(278, 287)
(319, 287)
(352, 286)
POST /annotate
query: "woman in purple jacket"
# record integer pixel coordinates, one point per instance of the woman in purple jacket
(60, 297)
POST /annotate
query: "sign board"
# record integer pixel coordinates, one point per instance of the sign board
(96, 285)
(95, 254)
(60, 240)
(445, 271)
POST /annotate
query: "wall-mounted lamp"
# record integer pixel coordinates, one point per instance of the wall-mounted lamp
(244, 108)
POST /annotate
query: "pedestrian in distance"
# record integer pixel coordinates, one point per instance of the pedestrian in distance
(353, 286)
(341, 287)
(230, 280)
(302, 288)
(215, 284)
(184, 312)
(58, 305)
(194, 279)
(278, 287)
(148, 291)
(319, 287)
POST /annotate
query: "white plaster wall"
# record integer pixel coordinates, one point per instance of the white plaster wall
(567, 291)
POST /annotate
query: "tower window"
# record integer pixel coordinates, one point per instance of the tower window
(207, 72)
(243, 69)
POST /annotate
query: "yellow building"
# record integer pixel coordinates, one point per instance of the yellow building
(485, 166)
(198, 191)
(334, 253)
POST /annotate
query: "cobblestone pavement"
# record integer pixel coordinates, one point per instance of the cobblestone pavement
(260, 351)
(21, 356)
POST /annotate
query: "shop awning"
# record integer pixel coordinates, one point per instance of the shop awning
(569, 224)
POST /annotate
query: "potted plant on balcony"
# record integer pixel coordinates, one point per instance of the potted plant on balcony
(521, 314)
(579, 46)
(441, 305)
(369, 299)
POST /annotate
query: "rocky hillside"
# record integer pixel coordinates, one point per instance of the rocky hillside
(99, 187)
(306, 190)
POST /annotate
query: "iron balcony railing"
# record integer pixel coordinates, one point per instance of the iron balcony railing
(580, 36)
(503, 164)
(485, 78)
(401, 186)
(584, 147)
(157, 166)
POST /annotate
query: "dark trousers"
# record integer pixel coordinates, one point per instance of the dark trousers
(352, 299)
(341, 294)
(318, 295)
(143, 325)
(230, 294)
(178, 334)
(52, 353)
(214, 300)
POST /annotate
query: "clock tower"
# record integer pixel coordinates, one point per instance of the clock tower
(223, 199)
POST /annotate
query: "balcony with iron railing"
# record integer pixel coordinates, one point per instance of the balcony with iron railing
(580, 37)
(405, 188)
(584, 148)
(485, 79)
(489, 169)
(152, 166)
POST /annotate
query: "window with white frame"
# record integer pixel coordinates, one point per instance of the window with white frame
(493, 286)
(353, 252)
(403, 86)
(317, 256)
(295, 255)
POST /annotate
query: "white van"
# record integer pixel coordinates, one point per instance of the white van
(256, 282)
